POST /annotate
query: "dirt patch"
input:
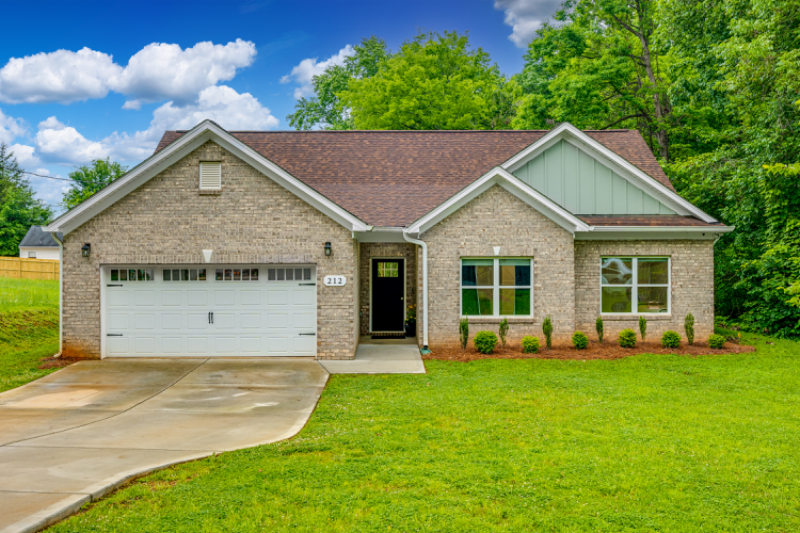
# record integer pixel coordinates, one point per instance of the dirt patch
(57, 362)
(595, 350)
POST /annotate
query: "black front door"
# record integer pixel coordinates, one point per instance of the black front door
(388, 303)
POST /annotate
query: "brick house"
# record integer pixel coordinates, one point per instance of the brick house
(300, 243)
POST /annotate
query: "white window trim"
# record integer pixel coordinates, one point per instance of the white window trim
(200, 176)
(635, 285)
(495, 288)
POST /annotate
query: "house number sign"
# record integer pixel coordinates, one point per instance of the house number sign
(335, 281)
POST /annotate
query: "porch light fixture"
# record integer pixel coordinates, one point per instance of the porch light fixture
(328, 249)
(86, 249)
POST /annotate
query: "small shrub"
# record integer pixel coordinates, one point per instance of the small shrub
(485, 341)
(598, 325)
(627, 338)
(580, 340)
(530, 344)
(688, 325)
(463, 332)
(716, 341)
(670, 339)
(547, 329)
(643, 326)
(503, 332)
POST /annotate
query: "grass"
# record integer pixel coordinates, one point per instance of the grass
(28, 329)
(647, 443)
(27, 294)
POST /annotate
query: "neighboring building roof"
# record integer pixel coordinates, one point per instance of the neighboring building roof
(645, 220)
(38, 238)
(392, 178)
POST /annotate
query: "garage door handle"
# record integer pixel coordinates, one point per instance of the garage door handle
(211, 317)
(312, 284)
(115, 285)
(113, 334)
(309, 334)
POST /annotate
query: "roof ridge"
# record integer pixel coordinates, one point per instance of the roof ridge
(403, 131)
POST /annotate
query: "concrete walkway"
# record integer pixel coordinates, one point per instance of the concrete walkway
(73, 436)
(380, 357)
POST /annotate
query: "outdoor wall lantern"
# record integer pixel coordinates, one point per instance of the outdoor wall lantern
(328, 249)
(85, 249)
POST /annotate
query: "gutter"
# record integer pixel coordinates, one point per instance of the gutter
(424, 247)
(54, 235)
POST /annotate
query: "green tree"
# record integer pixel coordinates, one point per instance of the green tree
(433, 82)
(19, 210)
(325, 109)
(88, 179)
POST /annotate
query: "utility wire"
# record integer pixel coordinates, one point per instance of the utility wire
(43, 176)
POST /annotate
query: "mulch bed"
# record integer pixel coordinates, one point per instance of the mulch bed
(57, 362)
(608, 350)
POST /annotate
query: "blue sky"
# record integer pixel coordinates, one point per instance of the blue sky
(81, 80)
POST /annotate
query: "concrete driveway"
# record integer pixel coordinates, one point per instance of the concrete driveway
(73, 436)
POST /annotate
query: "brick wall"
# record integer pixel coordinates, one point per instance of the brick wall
(692, 264)
(167, 221)
(497, 218)
(406, 251)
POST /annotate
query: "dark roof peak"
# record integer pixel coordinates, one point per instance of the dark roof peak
(37, 237)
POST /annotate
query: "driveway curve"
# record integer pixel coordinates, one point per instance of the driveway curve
(77, 434)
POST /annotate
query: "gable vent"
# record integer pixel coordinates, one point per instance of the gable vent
(210, 175)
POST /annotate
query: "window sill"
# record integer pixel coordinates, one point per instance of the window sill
(498, 319)
(635, 316)
(210, 192)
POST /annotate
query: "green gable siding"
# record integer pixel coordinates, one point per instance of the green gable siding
(580, 184)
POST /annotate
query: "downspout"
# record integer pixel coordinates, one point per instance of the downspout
(424, 247)
(60, 293)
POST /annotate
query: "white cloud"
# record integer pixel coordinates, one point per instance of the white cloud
(157, 72)
(223, 105)
(60, 76)
(526, 16)
(304, 72)
(165, 72)
(10, 128)
(26, 156)
(58, 143)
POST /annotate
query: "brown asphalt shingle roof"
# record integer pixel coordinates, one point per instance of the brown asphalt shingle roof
(644, 220)
(392, 178)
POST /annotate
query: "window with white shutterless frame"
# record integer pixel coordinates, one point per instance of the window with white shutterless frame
(210, 175)
(635, 285)
(496, 287)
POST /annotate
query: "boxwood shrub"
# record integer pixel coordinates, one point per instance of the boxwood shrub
(580, 340)
(485, 341)
(530, 344)
(627, 338)
(716, 341)
(670, 339)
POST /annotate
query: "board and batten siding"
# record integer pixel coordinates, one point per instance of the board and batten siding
(581, 184)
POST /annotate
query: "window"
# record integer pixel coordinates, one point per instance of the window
(144, 274)
(236, 274)
(31, 255)
(184, 274)
(210, 175)
(288, 274)
(634, 285)
(388, 270)
(496, 287)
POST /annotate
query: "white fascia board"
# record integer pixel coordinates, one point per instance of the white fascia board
(622, 166)
(380, 234)
(520, 189)
(190, 141)
(650, 232)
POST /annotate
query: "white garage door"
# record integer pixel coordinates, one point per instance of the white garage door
(210, 310)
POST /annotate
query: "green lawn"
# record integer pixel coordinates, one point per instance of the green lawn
(28, 329)
(648, 443)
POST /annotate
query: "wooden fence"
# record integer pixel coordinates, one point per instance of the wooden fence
(20, 267)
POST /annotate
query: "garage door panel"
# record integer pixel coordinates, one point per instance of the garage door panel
(153, 315)
(144, 298)
(224, 298)
(171, 298)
